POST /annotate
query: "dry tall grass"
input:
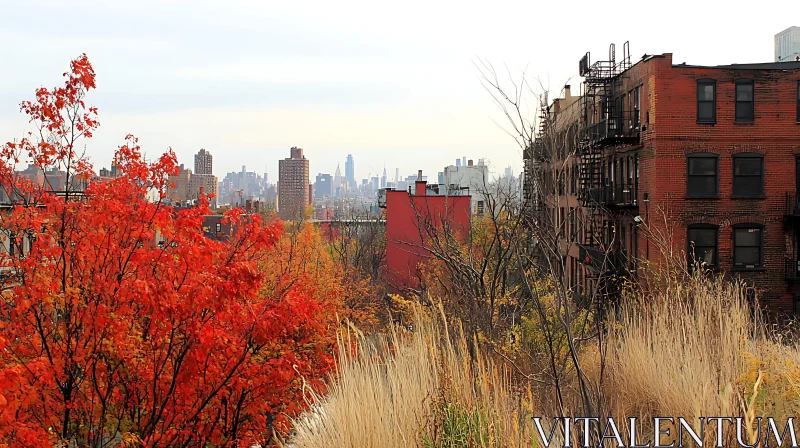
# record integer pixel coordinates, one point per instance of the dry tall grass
(696, 349)
(693, 349)
(415, 389)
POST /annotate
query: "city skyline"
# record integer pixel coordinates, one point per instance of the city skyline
(495, 172)
(349, 81)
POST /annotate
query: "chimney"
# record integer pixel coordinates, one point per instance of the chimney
(567, 92)
(469, 162)
(420, 185)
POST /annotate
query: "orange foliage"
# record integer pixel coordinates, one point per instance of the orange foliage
(105, 335)
(303, 256)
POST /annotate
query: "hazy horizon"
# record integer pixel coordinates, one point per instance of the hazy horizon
(395, 85)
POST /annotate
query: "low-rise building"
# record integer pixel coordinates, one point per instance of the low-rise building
(475, 179)
(670, 159)
(413, 219)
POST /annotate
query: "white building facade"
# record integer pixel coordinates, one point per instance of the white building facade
(787, 45)
(472, 177)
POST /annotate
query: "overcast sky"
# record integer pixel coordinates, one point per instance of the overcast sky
(393, 83)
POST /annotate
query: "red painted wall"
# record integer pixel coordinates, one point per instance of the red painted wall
(405, 242)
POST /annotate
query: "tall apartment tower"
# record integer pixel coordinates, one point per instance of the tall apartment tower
(323, 184)
(350, 169)
(180, 192)
(203, 181)
(787, 45)
(203, 162)
(293, 187)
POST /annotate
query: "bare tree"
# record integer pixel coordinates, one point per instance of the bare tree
(559, 218)
(359, 241)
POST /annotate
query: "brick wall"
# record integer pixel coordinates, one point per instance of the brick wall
(673, 133)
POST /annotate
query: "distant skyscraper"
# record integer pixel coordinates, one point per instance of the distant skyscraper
(203, 162)
(383, 178)
(337, 182)
(322, 185)
(396, 176)
(293, 188)
(204, 184)
(179, 193)
(509, 173)
(189, 186)
(202, 181)
(464, 161)
(458, 162)
(350, 169)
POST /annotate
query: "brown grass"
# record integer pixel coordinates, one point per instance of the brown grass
(415, 389)
(694, 349)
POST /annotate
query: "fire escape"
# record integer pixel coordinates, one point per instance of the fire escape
(791, 222)
(604, 125)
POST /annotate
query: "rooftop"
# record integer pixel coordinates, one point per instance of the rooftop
(757, 66)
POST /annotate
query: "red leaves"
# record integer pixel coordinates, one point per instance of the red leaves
(191, 341)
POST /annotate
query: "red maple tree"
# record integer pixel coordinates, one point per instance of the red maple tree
(106, 336)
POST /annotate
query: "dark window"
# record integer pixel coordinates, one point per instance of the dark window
(702, 249)
(630, 109)
(747, 246)
(219, 227)
(636, 177)
(636, 106)
(706, 101)
(480, 208)
(702, 175)
(748, 175)
(744, 102)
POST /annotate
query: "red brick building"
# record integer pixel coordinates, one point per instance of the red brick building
(411, 220)
(294, 194)
(705, 158)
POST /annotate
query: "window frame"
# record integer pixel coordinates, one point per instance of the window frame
(12, 247)
(702, 155)
(734, 176)
(636, 178)
(690, 249)
(798, 102)
(752, 118)
(701, 83)
(746, 226)
(630, 110)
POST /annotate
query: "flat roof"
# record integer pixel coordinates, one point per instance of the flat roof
(795, 65)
